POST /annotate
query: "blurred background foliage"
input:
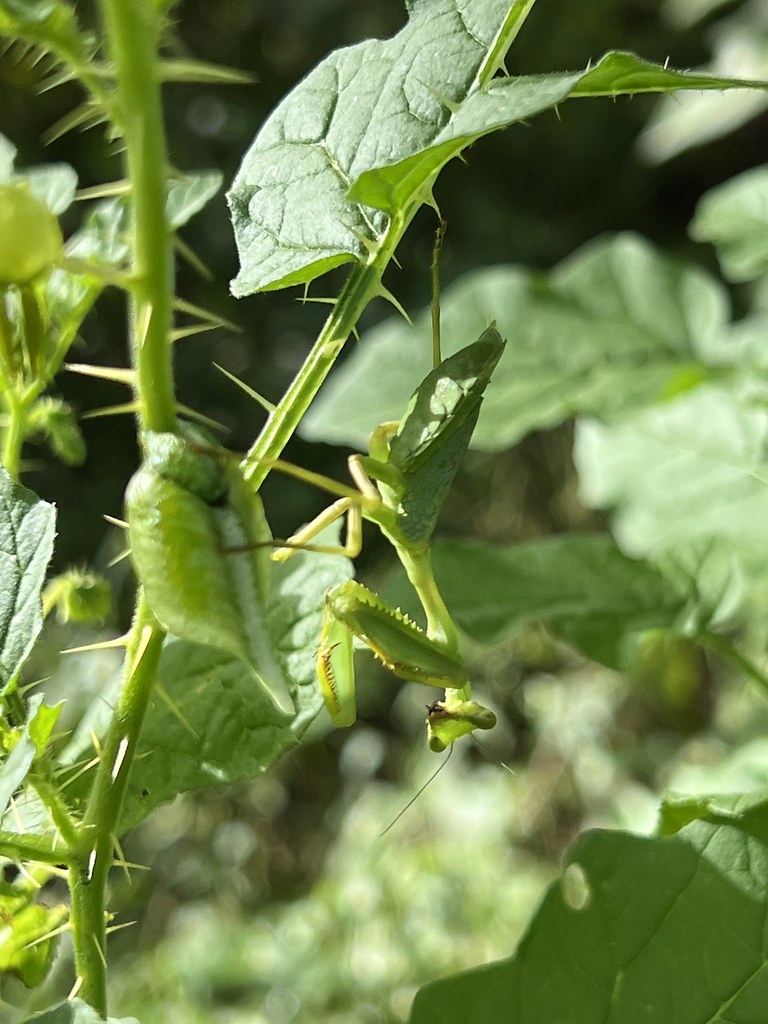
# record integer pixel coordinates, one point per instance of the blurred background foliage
(280, 901)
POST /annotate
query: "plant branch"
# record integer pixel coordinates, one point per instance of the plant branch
(363, 284)
(93, 856)
(720, 645)
(495, 58)
(133, 31)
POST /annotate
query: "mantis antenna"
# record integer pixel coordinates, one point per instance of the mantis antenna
(418, 793)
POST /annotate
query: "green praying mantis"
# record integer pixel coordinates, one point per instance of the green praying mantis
(401, 486)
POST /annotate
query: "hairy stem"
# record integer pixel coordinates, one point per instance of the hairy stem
(92, 858)
(362, 285)
(509, 30)
(133, 30)
(13, 434)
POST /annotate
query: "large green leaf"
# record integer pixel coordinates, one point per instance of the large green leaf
(582, 586)
(373, 103)
(393, 184)
(372, 126)
(663, 930)
(734, 216)
(27, 528)
(693, 470)
(614, 327)
(209, 723)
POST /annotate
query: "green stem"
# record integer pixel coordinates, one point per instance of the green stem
(363, 284)
(13, 434)
(724, 647)
(33, 330)
(7, 357)
(133, 31)
(495, 57)
(51, 797)
(92, 858)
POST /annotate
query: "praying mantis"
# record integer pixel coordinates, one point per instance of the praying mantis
(401, 485)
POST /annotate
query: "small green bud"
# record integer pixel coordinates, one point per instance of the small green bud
(55, 420)
(30, 237)
(79, 596)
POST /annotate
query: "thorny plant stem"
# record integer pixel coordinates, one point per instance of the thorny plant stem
(92, 857)
(133, 30)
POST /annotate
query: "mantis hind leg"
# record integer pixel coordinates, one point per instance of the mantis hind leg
(302, 539)
(350, 502)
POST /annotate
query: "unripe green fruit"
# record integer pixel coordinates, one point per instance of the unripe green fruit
(200, 544)
(30, 237)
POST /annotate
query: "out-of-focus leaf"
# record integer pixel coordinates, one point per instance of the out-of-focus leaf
(27, 946)
(54, 184)
(101, 240)
(31, 742)
(7, 159)
(188, 195)
(614, 327)
(583, 587)
(631, 931)
(734, 217)
(27, 528)
(75, 1011)
(740, 46)
(684, 13)
(691, 471)
(29, 10)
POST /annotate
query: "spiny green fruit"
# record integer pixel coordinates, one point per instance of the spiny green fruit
(30, 237)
